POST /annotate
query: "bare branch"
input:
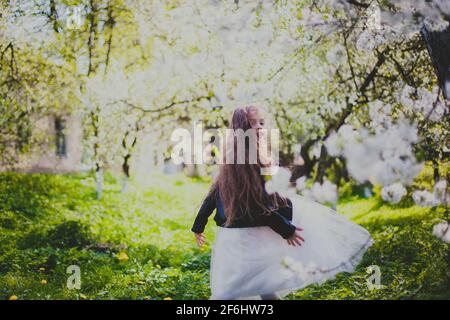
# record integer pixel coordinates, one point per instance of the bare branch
(172, 104)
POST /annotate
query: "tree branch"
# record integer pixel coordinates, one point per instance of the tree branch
(172, 104)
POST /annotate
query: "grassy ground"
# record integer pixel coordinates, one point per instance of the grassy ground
(138, 245)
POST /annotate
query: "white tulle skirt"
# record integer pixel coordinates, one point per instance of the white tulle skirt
(249, 262)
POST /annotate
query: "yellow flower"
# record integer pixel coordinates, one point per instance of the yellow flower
(168, 298)
(122, 256)
(13, 297)
(43, 281)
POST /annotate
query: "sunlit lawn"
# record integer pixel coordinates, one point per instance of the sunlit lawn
(138, 244)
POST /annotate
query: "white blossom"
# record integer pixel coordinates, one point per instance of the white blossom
(279, 181)
(336, 55)
(424, 198)
(370, 158)
(436, 111)
(425, 102)
(325, 192)
(380, 114)
(442, 231)
(310, 18)
(300, 183)
(316, 150)
(436, 24)
(336, 142)
(333, 145)
(393, 193)
(405, 96)
(441, 192)
(365, 42)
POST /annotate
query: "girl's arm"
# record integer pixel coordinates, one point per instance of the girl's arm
(208, 206)
(279, 224)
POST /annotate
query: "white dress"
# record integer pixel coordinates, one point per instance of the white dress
(249, 262)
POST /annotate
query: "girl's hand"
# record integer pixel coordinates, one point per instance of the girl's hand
(200, 238)
(295, 238)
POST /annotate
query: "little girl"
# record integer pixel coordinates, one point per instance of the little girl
(260, 249)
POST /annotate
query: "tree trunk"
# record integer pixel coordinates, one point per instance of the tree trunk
(306, 168)
(125, 184)
(126, 171)
(126, 159)
(436, 174)
(98, 166)
(338, 177)
(322, 165)
(196, 170)
(99, 178)
(438, 45)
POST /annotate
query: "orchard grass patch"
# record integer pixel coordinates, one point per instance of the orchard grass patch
(138, 244)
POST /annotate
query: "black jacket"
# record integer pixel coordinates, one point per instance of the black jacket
(279, 220)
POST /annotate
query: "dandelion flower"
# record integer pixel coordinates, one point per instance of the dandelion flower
(122, 256)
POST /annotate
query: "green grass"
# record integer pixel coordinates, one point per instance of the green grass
(49, 222)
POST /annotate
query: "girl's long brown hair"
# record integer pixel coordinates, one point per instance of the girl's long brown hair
(241, 186)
